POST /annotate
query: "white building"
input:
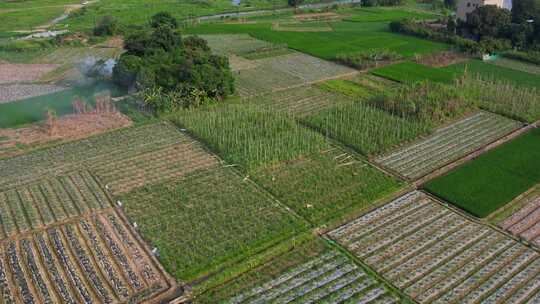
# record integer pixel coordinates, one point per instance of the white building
(468, 6)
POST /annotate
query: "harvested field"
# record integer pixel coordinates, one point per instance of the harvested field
(317, 16)
(441, 59)
(208, 220)
(238, 63)
(71, 55)
(115, 156)
(448, 144)
(437, 255)
(525, 223)
(330, 277)
(96, 259)
(282, 72)
(302, 27)
(16, 73)
(14, 92)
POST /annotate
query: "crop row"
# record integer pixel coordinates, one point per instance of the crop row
(40, 204)
(173, 161)
(331, 278)
(526, 221)
(448, 144)
(105, 148)
(238, 44)
(89, 261)
(438, 256)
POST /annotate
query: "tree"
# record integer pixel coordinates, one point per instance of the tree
(451, 4)
(488, 21)
(163, 19)
(107, 26)
(295, 3)
(523, 10)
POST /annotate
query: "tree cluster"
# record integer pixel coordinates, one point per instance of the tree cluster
(519, 28)
(170, 71)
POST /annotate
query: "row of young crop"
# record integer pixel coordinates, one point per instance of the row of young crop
(328, 278)
(448, 144)
(525, 222)
(40, 204)
(436, 255)
(86, 261)
(170, 162)
(105, 148)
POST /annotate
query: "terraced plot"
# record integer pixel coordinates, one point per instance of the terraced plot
(448, 144)
(328, 278)
(438, 256)
(281, 72)
(46, 202)
(95, 259)
(302, 101)
(125, 159)
(525, 223)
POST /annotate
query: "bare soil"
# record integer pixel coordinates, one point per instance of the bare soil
(442, 59)
(16, 73)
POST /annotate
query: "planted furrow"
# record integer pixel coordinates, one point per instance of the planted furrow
(88, 196)
(461, 260)
(7, 297)
(91, 183)
(525, 292)
(75, 195)
(54, 273)
(69, 267)
(35, 273)
(17, 211)
(41, 204)
(87, 266)
(104, 262)
(30, 208)
(16, 270)
(333, 287)
(519, 216)
(69, 205)
(56, 207)
(119, 256)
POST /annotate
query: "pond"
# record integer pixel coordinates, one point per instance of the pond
(31, 110)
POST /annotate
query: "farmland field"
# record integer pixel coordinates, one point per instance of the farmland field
(447, 144)
(525, 222)
(377, 14)
(517, 65)
(325, 186)
(347, 37)
(220, 216)
(436, 255)
(124, 159)
(493, 179)
(408, 72)
(322, 276)
(281, 72)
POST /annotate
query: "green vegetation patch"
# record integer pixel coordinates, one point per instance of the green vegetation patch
(248, 136)
(207, 220)
(496, 73)
(493, 179)
(376, 14)
(347, 37)
(409, 72)
(324, 186)
(348, 88)
(368, 130)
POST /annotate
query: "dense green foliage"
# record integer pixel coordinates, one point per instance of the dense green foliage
(530, 56)
(208, 213)
(410, 72)
(107, 26)
(493, 179)
(248, 136)
(345, 87)
(172, 71)
(368, 130)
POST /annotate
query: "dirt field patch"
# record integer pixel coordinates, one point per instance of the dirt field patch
(14, 92)
(441, 59)
(14, 73)
(317, 16)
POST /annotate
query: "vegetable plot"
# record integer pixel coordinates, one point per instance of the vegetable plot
(125, 159)
(95, 259)
(526, 222)
(328, 278)
(439, 256)
(448, 144)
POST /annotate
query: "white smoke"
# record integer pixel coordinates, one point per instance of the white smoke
(97, 68)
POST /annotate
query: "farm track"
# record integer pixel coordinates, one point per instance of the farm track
(438, 256)
(330, 278)
(448, 144)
